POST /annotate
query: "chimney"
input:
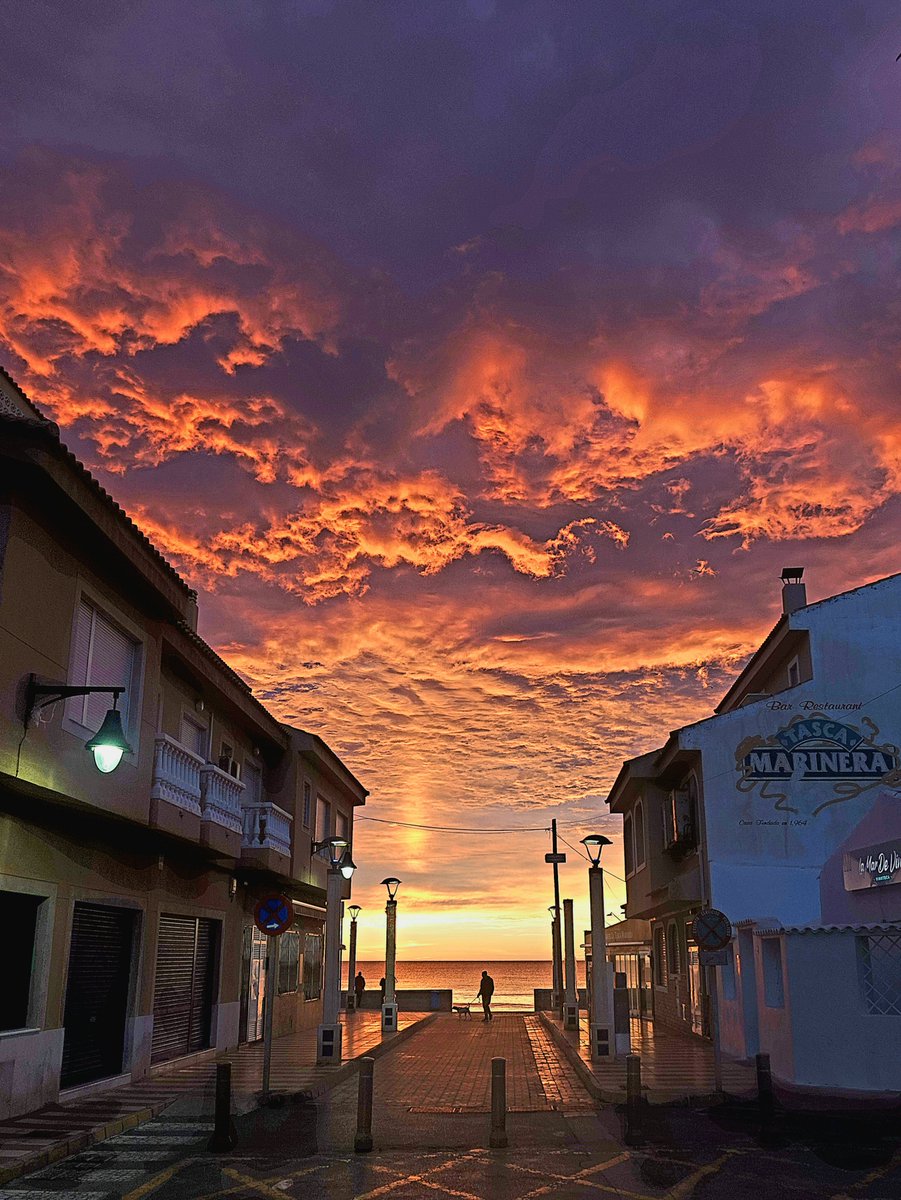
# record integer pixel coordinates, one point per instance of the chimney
(794, 593)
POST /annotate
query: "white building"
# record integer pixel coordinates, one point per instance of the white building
(784, 811)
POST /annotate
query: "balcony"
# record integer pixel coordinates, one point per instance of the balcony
(221, 825)
(175, 794)
(267, 836)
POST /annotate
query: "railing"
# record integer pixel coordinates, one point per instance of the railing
(267, 827)
(176, 774)
(220, 798)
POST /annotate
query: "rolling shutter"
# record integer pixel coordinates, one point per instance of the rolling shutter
(183, 994)
(96, 993)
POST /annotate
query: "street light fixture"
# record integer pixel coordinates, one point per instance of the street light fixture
(109, 742)
(328, 1039)
(389, 1004)
(601, 1022)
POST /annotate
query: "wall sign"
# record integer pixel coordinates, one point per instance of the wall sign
(873, 866)
(816, 748)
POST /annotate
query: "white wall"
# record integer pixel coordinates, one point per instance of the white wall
(837, 1043)
(765, 854)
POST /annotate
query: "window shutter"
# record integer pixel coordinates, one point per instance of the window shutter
(111, 663)
(252, 781)
(78, 661)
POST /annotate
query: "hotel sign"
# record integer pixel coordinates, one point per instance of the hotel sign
(873, 866)
(814, 748)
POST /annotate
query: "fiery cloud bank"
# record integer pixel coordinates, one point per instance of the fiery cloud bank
(482, 368)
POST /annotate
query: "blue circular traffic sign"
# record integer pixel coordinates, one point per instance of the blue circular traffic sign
(274, 914)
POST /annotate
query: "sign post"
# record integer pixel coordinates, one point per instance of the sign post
(273, 915)
(712, 932)
(555, 858)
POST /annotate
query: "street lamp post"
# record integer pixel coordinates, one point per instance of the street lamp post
(354, 910)
(389, 1004)
(341, 867)
(557, 1000)
(601, 1022)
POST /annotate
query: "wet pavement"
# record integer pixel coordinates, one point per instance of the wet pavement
(431, 1128)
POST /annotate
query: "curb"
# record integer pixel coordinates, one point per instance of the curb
(80, 1141)
(351, 1067)
(582, 1069)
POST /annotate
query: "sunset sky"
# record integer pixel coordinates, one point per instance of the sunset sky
(481, 363)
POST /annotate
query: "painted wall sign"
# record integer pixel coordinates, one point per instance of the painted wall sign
(873, 866)
(815, 748)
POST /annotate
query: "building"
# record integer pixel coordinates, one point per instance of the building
(128, 896)
(783, 811)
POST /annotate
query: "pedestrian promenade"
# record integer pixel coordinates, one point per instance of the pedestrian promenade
(51, 1133)
(673, 1066)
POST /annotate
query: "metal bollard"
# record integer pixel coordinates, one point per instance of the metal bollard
(498, 1138)
(225, 1136)
(633, 1099)
(363, 1139)
(765, 1099)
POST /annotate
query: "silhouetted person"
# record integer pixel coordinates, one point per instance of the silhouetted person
(382, 987)
(486, 991)
(359, 988)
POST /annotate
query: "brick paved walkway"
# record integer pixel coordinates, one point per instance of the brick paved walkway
(447, 1069)
(673, 1065)
(58, 1130)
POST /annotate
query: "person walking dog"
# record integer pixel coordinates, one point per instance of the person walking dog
(486, 991)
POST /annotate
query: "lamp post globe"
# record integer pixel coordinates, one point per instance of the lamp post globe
(109, 743)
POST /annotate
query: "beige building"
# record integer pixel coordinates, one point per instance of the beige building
(127, 897)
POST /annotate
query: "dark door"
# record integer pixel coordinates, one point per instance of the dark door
(96, 993)
(183, 992)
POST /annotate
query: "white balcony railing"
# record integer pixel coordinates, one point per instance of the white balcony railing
(176, 774)
(267, 827)
(220, 798)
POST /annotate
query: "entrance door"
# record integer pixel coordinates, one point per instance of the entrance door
(645, 985)
(253, 984)
(96, 993)
(183, 993)
(694, 984)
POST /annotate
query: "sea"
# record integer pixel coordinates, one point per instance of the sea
(513, 981)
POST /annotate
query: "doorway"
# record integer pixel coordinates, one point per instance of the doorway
(97, 989)
(253, 983)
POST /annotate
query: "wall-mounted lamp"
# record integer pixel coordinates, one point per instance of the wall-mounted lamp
(109, 742)
(233, 887)
(336, 846)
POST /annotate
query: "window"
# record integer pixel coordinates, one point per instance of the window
(728, 975)
(639, 835)
(342, 826)
(794, 673)
(773, 984)
(879, 956)
(193, 735)
(312, 966)
(672, 950)
(253, 784)
(102, 655)
(18, 919)
(227, 761)
(323, 819)
(628, 848)
(659, 957)
(288, 962)
(307, 804)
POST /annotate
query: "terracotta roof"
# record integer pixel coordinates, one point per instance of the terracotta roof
(891, 927)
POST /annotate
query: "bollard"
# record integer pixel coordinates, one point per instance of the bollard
(633, 1099)
(498, 1138)
(363, 1139)
(225, 1136)
(765, 1100)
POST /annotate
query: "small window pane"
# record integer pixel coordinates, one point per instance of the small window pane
(628, 850)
